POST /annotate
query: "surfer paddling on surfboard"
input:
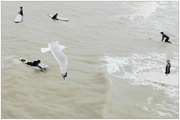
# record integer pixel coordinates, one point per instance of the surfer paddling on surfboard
(55, 16)
(168, 66)
(34, 63)
(21, 11)
(165, 36)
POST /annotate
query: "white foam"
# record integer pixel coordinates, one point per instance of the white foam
(133, 66)
(150, 99)
(144, 9)
(162, 109)
(163, 114)
(6, 60)
(147, 17)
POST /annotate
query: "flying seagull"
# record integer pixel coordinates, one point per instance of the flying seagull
(61, 58)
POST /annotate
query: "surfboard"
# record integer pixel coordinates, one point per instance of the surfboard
(170, 79)
(18, 18)
(43, 66)
(158, 38)
(59, 18)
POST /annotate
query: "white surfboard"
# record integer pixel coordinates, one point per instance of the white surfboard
(44, 66)
(170, 79)
(59, 18)
(18, 18)
(158, 38)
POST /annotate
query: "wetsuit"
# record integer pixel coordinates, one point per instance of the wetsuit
(21, 12)
(166, 38)
(54, 17)
(168, 66)
(34, 63)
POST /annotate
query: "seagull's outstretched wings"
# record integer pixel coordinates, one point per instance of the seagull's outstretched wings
(61, 58)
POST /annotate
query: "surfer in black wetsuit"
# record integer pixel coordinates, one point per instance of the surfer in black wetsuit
(168, 66)
(21, 11)
(166, 37)
(34, 63)
(55, 16)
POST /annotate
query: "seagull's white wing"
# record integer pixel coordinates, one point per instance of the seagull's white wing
(60, 57)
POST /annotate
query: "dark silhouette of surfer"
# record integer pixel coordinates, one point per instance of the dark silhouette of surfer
(168, 66)
(34, 63)
(21, 11)
(164, 36)
(55, 16)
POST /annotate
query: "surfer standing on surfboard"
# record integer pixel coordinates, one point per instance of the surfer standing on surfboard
(168, 66)
(165, 36)
(21, 11)
(55, 16)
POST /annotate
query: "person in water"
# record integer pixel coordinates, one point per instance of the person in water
(168, 66)
(165, 36)
(34, 63)
(55, 16)
(21, 11)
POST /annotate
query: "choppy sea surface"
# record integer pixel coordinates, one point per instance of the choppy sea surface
(109, 49)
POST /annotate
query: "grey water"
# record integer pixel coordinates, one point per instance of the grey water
(108, 50)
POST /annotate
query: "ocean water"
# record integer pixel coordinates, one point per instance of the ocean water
(109, 49)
